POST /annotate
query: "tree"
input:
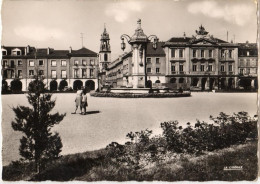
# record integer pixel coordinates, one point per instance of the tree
(39, 143)
(16, 86)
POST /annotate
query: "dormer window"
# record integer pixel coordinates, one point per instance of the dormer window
(4, 52)
(16, 52)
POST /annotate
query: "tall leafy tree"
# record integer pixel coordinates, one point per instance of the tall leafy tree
(39, 143)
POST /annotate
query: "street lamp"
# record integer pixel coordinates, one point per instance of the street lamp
(139, 43)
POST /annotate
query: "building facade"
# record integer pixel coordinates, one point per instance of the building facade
(59, 68)
(200, 62)
(247, 65)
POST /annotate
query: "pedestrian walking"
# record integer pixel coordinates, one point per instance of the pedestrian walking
(84, 103)
(78, 100)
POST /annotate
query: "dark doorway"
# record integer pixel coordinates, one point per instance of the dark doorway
(230, 83)
(203, 83)
(16, 86)
(195, 82)
(149, 84)
(4, 86)
(181, 80)
(173, 80)
(53, 85)
(90, 84)
(77, 84)
(211, 83)
(245, 83)
(223, 83)
(63, 84)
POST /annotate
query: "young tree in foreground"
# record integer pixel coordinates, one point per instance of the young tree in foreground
(39, 143)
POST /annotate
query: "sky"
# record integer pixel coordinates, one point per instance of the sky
(58, 23)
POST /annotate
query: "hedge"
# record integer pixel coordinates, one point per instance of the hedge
(144, 95)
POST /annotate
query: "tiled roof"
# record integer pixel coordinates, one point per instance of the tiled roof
(83, 52)
(10, 48)
(185, 41)
(58, 54)
(179, 39)
(221, 41)
(155, 52)
(43, 53)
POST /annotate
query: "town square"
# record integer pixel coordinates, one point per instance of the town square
(129, 90)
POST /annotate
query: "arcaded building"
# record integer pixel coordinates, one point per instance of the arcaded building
(59, 68)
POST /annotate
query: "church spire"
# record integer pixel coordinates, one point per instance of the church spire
(105, 45)
(105, 51)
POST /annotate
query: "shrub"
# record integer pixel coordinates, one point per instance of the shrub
(226, 131)
(16, 86)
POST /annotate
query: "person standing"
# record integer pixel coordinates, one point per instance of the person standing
(78, 100)
(84, 101)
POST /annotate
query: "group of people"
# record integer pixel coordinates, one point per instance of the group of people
(81, 101)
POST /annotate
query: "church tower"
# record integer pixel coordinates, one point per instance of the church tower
(105, 51)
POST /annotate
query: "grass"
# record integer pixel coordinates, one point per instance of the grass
(96, 166)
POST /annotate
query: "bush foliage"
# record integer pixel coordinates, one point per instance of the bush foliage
(225, 131)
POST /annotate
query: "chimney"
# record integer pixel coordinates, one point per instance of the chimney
(70, 51)
(184, 35)
(25, 51)
(48, 51)
(28, 49)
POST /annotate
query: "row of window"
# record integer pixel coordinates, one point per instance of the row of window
(175, 51)
(15, 52)
(53, 62)
(149, 70)
(53, 73)
(202, 68)
(76, 73)
(201, 53)
(149, 60)
(247, 71)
